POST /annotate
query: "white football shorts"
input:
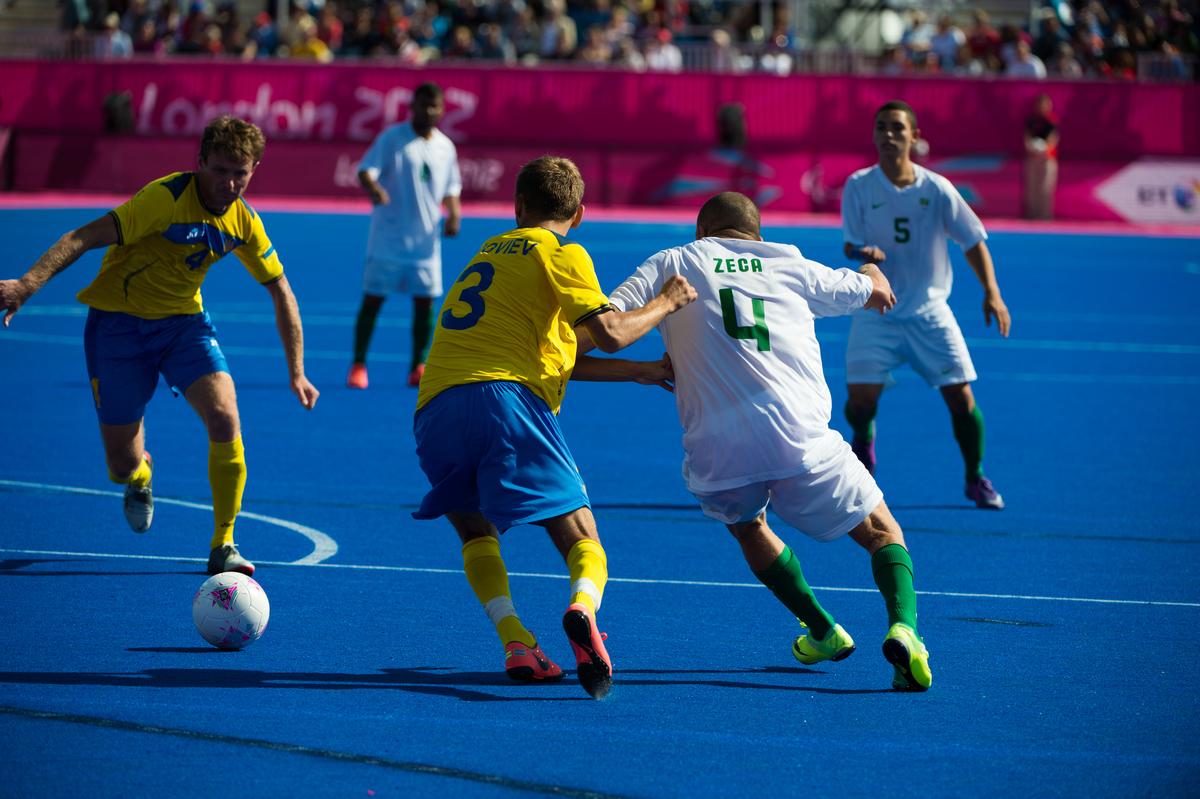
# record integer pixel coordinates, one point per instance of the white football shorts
(382, 276)
(930, 342)
(824, 502)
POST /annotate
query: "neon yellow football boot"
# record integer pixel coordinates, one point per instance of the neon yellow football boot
(908, 654)
(837, 645)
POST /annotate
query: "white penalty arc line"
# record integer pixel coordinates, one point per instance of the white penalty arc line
(634, 580)
(324, 547)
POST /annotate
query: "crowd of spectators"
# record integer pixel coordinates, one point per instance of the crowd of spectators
(1084, 39)
(1077, 39)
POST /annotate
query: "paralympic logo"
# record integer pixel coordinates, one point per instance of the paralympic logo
(1185, 195)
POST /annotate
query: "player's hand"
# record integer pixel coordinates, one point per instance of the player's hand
(882, 297)
(658, 373)
(678, 292)
(379, 196)
(13, 295)
(872, 254)
(994, 306)
(305, 391)
(451, 227)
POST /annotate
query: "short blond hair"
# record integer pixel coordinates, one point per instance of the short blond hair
(233, 137)
(550, 188)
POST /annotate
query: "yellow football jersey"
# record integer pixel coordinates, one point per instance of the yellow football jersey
(511, 316)
(166, 242)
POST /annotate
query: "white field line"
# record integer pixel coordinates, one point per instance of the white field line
(324, 547)
(637, 580)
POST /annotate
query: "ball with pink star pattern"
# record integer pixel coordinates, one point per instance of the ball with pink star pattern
(230, 610)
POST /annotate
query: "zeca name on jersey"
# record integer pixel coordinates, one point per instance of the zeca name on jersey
(731, 265)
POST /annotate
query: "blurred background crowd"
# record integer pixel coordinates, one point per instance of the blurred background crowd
(1072, 39)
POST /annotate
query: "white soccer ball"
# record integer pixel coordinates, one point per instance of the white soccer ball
(230, 610)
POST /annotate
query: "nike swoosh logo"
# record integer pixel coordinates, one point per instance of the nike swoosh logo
(875, 205)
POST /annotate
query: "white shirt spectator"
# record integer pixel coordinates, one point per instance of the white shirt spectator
(946, 42)
(662, 55)
(1025, 64)
(112, 42)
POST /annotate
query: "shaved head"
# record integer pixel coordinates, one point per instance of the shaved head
(728, 211)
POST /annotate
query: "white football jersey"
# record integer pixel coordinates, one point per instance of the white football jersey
(417, 174)
(749, 386)
(911, 225)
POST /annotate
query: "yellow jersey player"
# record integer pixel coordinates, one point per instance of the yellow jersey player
(486, 428)
(146, 318)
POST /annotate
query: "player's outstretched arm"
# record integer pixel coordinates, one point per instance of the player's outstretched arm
(882, 297)
(100, 232)
(291, 333)
(648, 373)
(980, 259)
(616, 330)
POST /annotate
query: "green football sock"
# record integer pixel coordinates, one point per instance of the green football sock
(863, 424)
(893, 571)
(363, 328)
(422, 335)
(787, 583)
(968, 432)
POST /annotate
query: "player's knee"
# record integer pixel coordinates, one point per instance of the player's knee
(878, 530)
(223, 425)
(959, 398)
(861, 409)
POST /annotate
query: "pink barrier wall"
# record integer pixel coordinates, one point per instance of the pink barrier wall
(639, 138)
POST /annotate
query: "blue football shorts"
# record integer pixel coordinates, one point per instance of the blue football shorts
(495, 448)
(125, 354)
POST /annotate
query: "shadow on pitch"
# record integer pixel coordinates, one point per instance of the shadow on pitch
(466, 686)
(18, 567)
(622, 678)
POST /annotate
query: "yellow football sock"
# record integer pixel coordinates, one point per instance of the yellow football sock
(489, 580)
(227, 476)
(588, 566)
(139, 479)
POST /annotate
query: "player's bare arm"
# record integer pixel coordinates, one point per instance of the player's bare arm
(615, 330)
(648, 373)
(866, 252)
(882, 297)
(291, 333)
(100, 232)
(980, 259)
(377, 193)
(453, 217)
